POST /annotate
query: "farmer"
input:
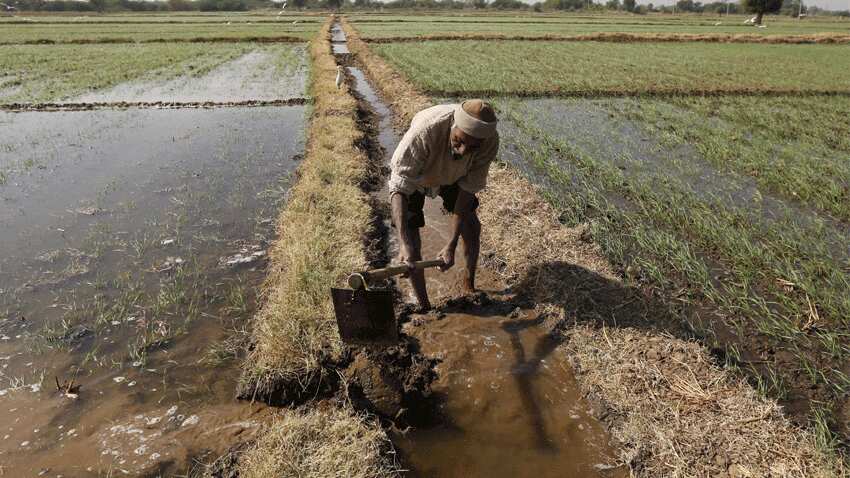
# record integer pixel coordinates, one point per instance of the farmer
(447, 152)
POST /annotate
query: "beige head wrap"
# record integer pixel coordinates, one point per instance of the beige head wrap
(476, 118)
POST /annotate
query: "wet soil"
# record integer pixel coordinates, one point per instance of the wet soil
(131, 246)
(500, 405)
(252, 76)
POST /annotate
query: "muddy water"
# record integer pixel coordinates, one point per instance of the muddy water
(507, 407)
(131, 243)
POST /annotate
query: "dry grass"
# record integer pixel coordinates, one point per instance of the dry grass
(622, 37)
(674, 412)
(319, 444)
(678, 414)
(522, 231)
(321, 233)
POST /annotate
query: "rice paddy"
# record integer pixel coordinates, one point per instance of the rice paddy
(46, 73)
(412, 26)
(665, 260)
(131, 32)
(592, 68)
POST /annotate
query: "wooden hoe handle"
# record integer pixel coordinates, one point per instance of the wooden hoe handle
(359, 280)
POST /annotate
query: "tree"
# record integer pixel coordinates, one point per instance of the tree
(508, 5)
(98, 5)
(629, 5)
(760, 7)
(335, 4)
(613, 5)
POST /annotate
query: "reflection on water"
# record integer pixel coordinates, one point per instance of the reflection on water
(131, 244)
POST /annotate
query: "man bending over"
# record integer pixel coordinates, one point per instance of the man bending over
(447, 152)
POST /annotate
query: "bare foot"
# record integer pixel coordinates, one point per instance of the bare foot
(468, 287)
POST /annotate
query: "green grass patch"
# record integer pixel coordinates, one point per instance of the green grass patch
(154, 31)
(383, 26)
(543, 67)
(163, 17)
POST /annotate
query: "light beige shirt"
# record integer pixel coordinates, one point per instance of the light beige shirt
(423, 160)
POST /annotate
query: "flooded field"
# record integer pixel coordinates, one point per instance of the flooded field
(132, 245)
(500, 394)
(269, 73)
(679, 213)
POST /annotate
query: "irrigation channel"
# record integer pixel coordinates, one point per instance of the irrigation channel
(508, 404)
(132, 243)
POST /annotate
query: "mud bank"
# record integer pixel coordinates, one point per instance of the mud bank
(88, 106)
(212, 39)
(825, 38)
(564, 273)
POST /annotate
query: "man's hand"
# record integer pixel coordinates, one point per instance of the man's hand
(406, 257)
(448, 256)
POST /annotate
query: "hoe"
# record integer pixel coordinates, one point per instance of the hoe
(366, 316)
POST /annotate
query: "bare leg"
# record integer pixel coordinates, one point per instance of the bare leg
(470, 232)
(417, 277)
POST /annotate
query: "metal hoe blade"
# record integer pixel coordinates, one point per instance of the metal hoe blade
(365, 317)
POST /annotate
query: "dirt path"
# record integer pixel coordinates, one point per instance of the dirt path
(507, 405)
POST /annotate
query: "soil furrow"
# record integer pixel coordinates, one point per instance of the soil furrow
(822, 38)
(86, 106)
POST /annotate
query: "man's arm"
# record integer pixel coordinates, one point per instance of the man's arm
(463, 208)
(469, 185)
(406, 247)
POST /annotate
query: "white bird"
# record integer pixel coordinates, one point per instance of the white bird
(751, 20)
(762, 26)
(8, 8)
(718, 24)
(295, 22)
(338, 76)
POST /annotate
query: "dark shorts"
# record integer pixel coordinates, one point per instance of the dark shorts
(416, 204)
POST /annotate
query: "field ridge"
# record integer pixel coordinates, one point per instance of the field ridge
(814, 38)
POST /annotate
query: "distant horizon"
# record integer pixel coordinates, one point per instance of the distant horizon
(837, 5)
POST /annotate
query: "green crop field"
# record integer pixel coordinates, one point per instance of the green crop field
(804, 161)
(541, 67)
(39, 73)
(375, 26)
(171, 17)
(152, 31)
(677, 201)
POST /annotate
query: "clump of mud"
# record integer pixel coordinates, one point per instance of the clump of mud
(394, 383)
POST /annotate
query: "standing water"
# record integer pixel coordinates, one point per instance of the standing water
(508, 403)
(131, 244)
